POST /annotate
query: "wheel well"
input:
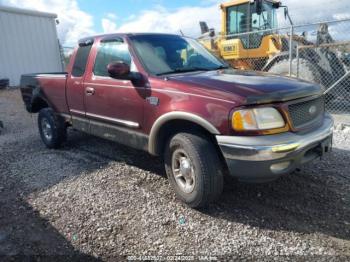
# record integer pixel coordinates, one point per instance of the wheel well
(38, 104)
(173, 127)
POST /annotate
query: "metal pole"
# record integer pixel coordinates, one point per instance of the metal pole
(291, 50)
(297, 61)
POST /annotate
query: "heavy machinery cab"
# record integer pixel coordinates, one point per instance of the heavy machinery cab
(244, 16)
(240, 19)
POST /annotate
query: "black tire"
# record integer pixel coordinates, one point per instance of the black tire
(207, 168)
(307, 71)
(57, 134)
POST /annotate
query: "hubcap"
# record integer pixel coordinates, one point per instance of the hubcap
(46, 128)
(183, 171)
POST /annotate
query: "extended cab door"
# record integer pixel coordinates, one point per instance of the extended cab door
(113, 106)
(75, 92)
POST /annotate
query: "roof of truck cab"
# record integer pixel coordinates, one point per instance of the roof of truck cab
(91, 39)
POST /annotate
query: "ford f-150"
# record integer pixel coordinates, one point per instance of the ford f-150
(166, 94)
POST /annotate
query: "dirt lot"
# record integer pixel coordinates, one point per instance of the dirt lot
(98, 200)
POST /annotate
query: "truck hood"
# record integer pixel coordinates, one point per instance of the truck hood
(253, 87)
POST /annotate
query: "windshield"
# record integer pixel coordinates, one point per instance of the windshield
(166, 54)
(239, 22)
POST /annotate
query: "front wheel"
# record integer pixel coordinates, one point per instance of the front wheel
(52, 128)
(194, 169)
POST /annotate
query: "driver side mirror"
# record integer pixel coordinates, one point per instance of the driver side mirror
(119, 70)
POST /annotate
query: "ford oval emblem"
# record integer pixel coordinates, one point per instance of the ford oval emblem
(312, 110)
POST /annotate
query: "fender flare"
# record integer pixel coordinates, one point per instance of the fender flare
(176, 115)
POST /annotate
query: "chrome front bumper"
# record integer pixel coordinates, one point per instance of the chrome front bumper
(241, 152)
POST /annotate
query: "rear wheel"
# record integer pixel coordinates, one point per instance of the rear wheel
(52, 128)
(194, 169)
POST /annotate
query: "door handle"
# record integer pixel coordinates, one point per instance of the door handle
(90, 91)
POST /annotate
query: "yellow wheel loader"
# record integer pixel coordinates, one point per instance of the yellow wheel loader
(249, 40)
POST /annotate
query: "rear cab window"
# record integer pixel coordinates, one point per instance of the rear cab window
(81, 60)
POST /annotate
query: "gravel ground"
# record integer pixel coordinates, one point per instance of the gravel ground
(97, 200)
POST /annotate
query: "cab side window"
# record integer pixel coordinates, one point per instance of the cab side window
(111, 51)
(81, 59)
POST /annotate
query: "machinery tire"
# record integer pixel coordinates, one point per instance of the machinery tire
(307, 71)
(205, 168)
(52, 128)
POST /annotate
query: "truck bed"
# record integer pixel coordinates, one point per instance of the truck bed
(42, 85)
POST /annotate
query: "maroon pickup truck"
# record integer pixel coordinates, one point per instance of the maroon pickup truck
(168, 95)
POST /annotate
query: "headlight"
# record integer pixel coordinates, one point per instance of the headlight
(257, 119)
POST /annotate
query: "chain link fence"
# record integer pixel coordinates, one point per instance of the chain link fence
(334, 74)
(316, 52)
(326, 60)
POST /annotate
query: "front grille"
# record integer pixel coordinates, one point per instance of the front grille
(307, 112)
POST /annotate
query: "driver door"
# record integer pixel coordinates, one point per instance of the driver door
(109, 102)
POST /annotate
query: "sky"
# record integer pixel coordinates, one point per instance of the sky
(80, 18)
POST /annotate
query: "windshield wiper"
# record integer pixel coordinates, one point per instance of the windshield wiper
(221, 67)
(184, 70)
(192, 69)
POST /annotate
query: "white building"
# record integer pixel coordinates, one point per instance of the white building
(28, 43)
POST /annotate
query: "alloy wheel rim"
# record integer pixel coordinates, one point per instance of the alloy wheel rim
(46, 128)
(183, 171)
